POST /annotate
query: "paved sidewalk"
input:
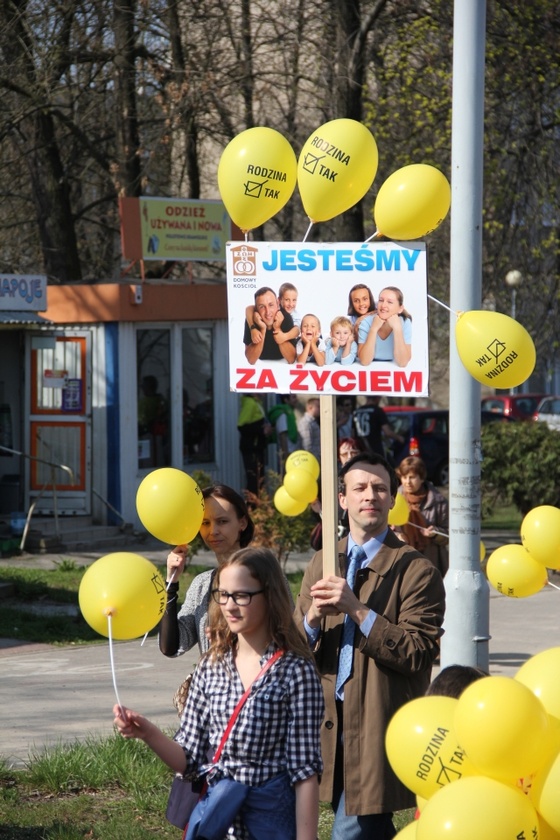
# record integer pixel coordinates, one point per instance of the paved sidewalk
(59, 694)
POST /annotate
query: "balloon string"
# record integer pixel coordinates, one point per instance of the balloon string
(113, 665)
(169, 582)
(420, 527)
(377, 233)
(553, 585)
(435, 300)
(308, 231)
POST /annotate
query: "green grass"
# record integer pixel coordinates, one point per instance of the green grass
(505, 518)
(99, 789)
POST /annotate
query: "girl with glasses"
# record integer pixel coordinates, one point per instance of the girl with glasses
(274, 746)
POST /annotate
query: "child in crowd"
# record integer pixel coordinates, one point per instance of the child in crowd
(310, 347)
(340, 346)
(360, 304)
(287, 300)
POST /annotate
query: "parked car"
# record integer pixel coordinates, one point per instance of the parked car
(426, 434)
(520, 406)
(548, 410)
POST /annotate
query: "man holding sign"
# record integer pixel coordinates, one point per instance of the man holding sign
(375, 626)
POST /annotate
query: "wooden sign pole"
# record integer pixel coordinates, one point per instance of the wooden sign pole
(329, 483)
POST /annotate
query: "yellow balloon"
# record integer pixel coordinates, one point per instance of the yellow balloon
(301, 459)
(170, 505)
(503, 728)
(412, 202)
(422, 746)
(256, 176)
(301, 486)
(336, 168)
(546, 832)
(478, 807)
(408, 832)
(287, 506)
(494, 348)
(541, 673)
(513, 572)
(126, 587)
(540, 535)
(482, 551)
(544, 792)
(399, 513)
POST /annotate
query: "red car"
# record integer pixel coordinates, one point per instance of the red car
(519, 406)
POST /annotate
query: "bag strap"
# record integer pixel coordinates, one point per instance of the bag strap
(241, 702)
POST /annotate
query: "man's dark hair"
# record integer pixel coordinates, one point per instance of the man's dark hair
(373, 460)
(262, 291)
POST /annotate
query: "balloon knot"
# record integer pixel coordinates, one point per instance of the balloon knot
(109, 611)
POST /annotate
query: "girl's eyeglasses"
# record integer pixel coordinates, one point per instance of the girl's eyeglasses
(242, 599)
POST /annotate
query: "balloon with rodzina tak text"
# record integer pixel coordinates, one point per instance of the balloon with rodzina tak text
(336, 168)
(257, 176)
(495, 349)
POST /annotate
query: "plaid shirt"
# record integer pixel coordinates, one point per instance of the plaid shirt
(277, 730)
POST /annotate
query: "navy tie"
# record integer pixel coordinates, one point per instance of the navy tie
(345, 657)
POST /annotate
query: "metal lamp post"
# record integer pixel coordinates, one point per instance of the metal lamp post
(514, 279)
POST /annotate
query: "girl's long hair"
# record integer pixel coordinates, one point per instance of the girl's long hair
(265, 569)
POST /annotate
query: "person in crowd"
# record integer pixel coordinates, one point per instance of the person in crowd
(274, 746)
(361, 303)
(386, 336)
(282, 418)
(340, 346)
(254, 430)
(428, 521)
(452, 681)
(348, 448)
(266, 339)
(375, 627)
(309, 429)
(344, 416)
(226, 527)
(310, 347)
(371, 424)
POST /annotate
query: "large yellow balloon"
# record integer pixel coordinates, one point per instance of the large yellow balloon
(540, 534)
(256, 176)
(513, 572)
(541, 673)
(127, 587)
(399, 513)
(478, 807)
(422, 746)
(412, 202)
(544, 792)
(287, 506)
(301, 459)
(336, 168)
(408, 832)
(494, 348)
(503, 728)
(170, 505)
(301, 486)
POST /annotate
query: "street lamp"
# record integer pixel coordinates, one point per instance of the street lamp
(514, 279)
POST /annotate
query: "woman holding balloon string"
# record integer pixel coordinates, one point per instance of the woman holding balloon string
(226, 527)
(265, 780)
(386, 335)
(428, 519)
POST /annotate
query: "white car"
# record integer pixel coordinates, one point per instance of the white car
(548, 410)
